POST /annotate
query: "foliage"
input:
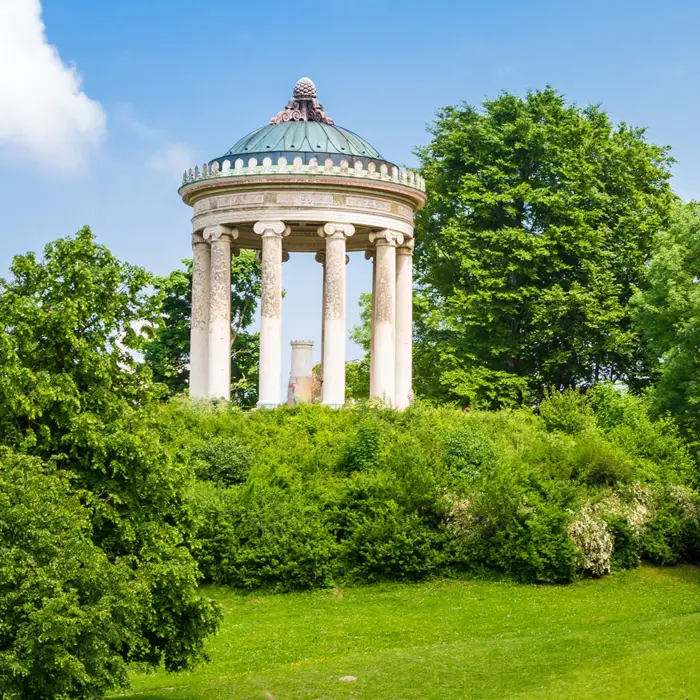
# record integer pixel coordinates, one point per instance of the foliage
(74, 394)
(368, 494)
(222, 460)
(68, 613)
(631, 635)
(668, 316)
(168, 353)
(539, 223)
(262, 537)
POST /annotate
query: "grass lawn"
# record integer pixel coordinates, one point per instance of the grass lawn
(631, 635)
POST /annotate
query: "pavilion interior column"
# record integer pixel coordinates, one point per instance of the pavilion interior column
(199, 329)
(384, 316)
(404, 325)
(270, 381)
(219, 384)
(321, 258)
(371, 254)
(333, 387)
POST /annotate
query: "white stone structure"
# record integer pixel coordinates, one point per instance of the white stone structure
(299, 185)
(301, 374)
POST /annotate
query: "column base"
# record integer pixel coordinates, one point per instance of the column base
(333, 405)
(270, 404)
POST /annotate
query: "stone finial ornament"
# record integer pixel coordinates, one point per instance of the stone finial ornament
(304, 106)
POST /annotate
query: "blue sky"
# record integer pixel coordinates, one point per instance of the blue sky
(168, 83)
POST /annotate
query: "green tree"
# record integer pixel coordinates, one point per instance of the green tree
(168, 353)
(67, 612)
(539, 223)
(668, 316)
(357, 371)
(75, 394)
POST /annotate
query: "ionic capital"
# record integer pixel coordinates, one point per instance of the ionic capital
(271, 228)
(285, 255)
(333, 230)
(320, 257)
(214, 233)
(386, 237)
(198, 239)
(405, 248)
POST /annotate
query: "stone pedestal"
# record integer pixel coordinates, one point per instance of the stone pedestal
(199, 330)
(270, 385)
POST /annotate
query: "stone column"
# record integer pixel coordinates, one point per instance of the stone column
(372, 255)
(333, 389)
(270, 382)
(219, 383)
(320, 257)
(404, 325)
(199, 328)
(384, 316)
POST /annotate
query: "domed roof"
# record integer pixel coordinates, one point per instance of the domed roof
(302, 137)
(302, 129)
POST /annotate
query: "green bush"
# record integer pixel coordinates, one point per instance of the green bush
(222, 460)
(264, 537)
(366, 494)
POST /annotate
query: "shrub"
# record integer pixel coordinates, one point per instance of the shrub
(368, 494)
(265, 537)
(222, 460)
(468, 452)
(592, 536)
(515, 531)
(567, 412)
(387, 542)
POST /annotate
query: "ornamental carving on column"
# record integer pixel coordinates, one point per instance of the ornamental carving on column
(406, 247)
(214, 233)
(270, 297)
(335, 259)
(386, 237)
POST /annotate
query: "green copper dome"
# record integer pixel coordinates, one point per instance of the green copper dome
(303, 130)
(302, 137)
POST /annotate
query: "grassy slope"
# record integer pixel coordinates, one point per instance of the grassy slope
(632, 635)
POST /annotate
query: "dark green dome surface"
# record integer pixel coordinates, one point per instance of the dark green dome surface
(302, 137)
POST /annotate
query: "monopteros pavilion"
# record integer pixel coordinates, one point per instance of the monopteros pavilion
(303, 185)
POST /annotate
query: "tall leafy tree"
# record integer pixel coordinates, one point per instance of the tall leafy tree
(667, 314)
(74, 394)
(168, 353)
(539, 223)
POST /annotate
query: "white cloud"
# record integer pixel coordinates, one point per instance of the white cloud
(172, 160)
(44, 114)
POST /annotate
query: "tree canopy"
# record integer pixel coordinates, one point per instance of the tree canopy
(75, 396)
(539, 224)
(667, 314)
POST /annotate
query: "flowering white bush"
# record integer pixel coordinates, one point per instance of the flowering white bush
(460, 520)
(590, 534)
(687, 500)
